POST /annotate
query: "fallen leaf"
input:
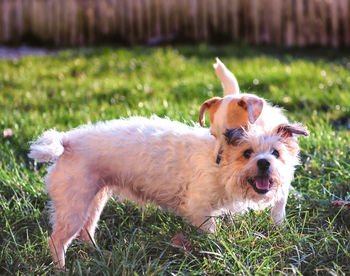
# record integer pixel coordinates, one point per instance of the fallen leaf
(181, 242)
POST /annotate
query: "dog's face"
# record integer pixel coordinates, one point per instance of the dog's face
(260, 162)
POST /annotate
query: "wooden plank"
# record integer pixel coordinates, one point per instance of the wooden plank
(204, 19)
(334, 20)
(157, 9)
(139, 20)
(265, 16)
(19, 18)
(147, 7)
(223, 9)
(176, 17)
(193, 19)
(276, 21)
(245, 19)
(323, 35)
(122, 18)
(310, 23)
(166, 17)
(73, 15)
(254, 20)
(235, 19)
(213, 16)
(300, 25)
(289, 24)
(1, 22)
(344, 7)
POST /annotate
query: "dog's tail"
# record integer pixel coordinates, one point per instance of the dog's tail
(228, 80)
(48, 147)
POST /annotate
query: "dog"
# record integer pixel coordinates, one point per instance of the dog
(167, 163)
(237, 108)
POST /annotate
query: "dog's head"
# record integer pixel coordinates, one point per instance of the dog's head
(231, 111)
(260, 161)
(234, 109)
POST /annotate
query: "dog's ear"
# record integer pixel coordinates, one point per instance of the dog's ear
(233, 135)
(212, 105)
(287, 131)
(253, 105)
(227, 79)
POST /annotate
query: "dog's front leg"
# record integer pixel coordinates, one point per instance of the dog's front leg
(278, 212)
(204, 221)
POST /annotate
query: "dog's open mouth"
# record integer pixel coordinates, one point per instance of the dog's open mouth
(261, 184)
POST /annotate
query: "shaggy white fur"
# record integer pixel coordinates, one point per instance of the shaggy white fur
(165, 162)
(195, 172)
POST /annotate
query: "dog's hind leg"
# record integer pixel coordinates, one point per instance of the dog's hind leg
(88, 231)
(72, 194)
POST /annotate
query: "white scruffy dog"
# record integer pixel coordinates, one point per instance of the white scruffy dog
(198, 173)
(165, 162)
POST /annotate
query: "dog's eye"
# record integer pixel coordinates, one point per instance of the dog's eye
(276, 153)
(247, 153)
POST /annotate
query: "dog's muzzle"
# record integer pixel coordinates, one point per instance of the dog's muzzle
(261, 183)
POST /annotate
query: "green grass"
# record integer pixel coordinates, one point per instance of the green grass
(76, 87)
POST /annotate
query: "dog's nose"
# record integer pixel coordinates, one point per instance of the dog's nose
(263, 164)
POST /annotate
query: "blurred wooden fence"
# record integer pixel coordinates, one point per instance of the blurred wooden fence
(81, 22)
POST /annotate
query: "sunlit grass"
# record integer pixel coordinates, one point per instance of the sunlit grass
(77, 87)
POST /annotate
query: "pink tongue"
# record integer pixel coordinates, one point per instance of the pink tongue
(262, 183)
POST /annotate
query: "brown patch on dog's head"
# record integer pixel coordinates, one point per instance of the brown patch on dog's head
(243, 110)
(212, 105)
(230, 112)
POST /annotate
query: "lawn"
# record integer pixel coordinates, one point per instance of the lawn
(79, 86)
